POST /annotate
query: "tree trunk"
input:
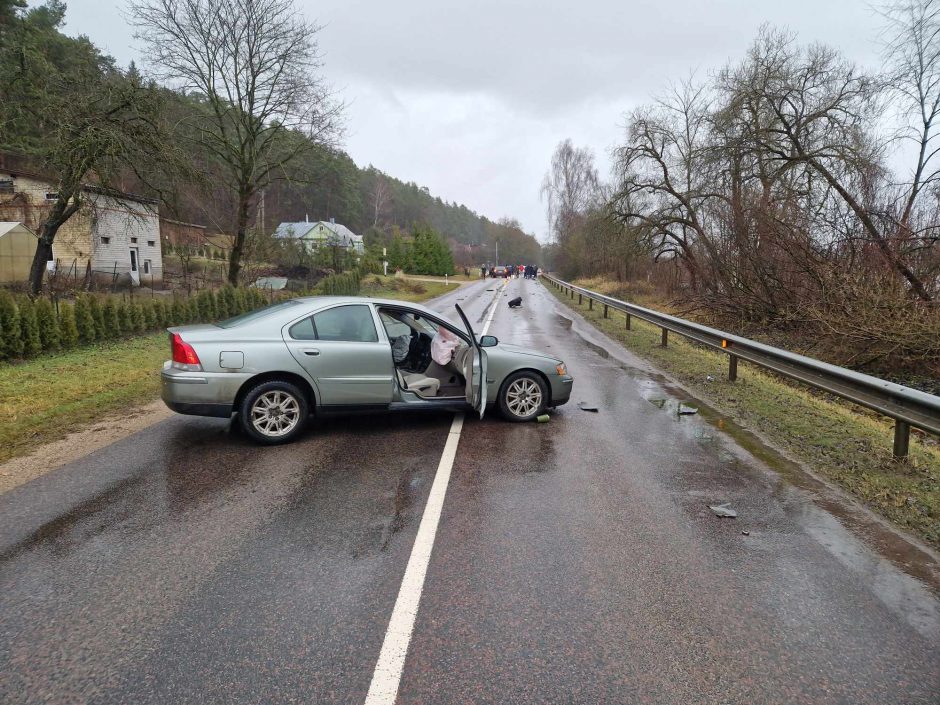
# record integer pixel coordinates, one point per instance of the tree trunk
(38, 268)
(61, 211)
(241, 232)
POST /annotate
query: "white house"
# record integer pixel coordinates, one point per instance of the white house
(116, 233)
(320, 233)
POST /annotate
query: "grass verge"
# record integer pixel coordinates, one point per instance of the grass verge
(846, 444)
(44, 399)
(402, 288)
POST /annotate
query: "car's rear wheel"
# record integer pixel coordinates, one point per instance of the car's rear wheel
(274, 412)
(523, 396)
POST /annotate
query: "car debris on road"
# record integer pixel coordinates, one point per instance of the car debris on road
(723, 511)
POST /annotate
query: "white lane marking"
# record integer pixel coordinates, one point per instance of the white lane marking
(387, 675)
(493, 307)
(386, 679)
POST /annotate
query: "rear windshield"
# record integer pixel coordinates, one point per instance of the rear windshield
(257, 315)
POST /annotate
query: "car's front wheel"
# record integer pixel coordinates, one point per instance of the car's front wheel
(274, 412)
(523, 396)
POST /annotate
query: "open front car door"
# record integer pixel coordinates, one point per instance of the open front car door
(474, 368)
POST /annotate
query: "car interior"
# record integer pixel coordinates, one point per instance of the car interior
(411, 335)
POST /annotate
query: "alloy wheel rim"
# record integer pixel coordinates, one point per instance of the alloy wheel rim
(524, 397)
(275, 413)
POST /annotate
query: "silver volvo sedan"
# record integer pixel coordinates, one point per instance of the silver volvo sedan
(277, 366)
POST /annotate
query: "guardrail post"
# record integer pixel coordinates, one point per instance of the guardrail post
(665, 338)
(605, 310)
(902, 439)
(579, 299)
(628, 321)
(590, 304)
(732, 368)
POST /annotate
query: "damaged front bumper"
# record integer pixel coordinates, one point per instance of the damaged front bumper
(561, 389)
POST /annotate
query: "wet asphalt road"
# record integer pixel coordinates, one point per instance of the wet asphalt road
(575, 562)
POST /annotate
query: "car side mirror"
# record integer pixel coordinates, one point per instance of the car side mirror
(489, 341)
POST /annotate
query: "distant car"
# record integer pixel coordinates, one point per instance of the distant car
(499, 272)
(316, 356)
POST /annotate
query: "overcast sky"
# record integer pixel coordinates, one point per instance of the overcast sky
(470, 98)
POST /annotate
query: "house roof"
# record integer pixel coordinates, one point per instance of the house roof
(180, 222)
(301, 230)
(294, 230)
(6, 227)
(18, 165)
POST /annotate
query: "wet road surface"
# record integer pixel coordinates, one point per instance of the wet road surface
(575, 561)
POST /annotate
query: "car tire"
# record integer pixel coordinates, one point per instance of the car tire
(274, 412)
(523, 396)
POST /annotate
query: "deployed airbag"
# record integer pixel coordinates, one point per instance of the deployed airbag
(443, 345)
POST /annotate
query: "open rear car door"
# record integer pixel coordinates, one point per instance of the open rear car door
(474, 368)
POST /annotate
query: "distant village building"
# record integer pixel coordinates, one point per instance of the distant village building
(321, 233)
(117, 233)
(176, 233)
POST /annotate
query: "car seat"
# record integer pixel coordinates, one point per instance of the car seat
(419, 384)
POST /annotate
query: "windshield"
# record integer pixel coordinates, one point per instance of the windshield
(256, 315)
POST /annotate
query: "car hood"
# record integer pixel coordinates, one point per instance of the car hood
(518, 349)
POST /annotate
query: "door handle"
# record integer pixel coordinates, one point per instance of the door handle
(313, 352)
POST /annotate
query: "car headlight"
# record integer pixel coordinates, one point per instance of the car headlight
(561, 369)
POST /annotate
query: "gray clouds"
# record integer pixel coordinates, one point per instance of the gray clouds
(470, 98)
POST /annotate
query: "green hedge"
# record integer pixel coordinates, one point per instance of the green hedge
(29, 328)
(345, 284)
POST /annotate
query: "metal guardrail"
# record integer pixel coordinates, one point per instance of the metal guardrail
(908, 407)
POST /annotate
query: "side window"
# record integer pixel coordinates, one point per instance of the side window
(303, 330)
(393, 326)
(349, 323)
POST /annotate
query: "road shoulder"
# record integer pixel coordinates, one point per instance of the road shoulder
(107, 430)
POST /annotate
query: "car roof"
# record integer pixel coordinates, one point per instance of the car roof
(287, 314)
(332, 300)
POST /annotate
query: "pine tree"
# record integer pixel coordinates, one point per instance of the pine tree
(150, 316)
(159, 314)
(112, 322)
(221, 304)
(241, 302)
(125, 317)
(192, 310)
(205, 307)
(29, 328)
(177, 312)
(48, 325)
(11, 344)
(87, 332)
(94, 308)
(137, 317)
(68, 330)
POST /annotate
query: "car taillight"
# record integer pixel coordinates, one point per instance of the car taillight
(184, 356)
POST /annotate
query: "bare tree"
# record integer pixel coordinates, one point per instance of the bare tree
(912, 55)
(257, 65)
(570, 186)
(663, 174)
(821, 110)
(381, 197)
